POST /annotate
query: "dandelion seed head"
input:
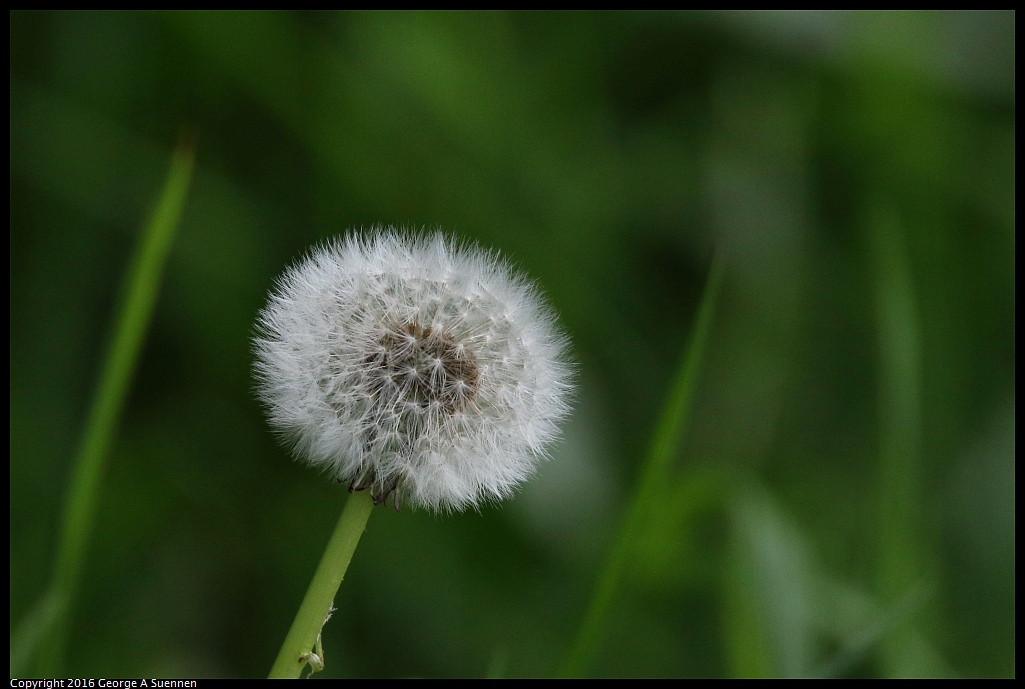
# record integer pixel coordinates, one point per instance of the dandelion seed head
(409, 365)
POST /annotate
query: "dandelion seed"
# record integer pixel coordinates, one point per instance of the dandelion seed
(413, 367)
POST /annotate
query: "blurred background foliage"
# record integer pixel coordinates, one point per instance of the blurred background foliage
(843, 503)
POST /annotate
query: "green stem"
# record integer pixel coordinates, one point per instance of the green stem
(321, 594)
(45, 626)
(665, 444)
(901, 564)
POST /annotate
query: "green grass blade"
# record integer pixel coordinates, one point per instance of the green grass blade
(46, 624)
(770, 591)
(860, 627)
(664, 447)
(900, 566)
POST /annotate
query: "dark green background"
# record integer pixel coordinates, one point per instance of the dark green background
(605, 155)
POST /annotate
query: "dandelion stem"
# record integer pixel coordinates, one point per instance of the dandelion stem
(320, 596)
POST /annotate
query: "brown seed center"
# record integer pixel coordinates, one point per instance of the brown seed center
(424, 366)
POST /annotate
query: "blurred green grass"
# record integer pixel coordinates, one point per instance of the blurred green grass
(38, 643)
(606, 154)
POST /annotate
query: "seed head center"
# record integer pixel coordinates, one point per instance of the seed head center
(425, 366)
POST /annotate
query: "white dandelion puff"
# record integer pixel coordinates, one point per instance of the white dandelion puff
(412, 366)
